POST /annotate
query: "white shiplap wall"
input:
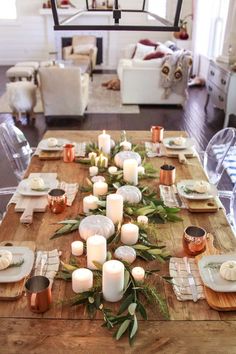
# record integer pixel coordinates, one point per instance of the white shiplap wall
(32, 37)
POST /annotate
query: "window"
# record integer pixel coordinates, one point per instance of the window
(8, 10)
(210, 26)
(157, 7)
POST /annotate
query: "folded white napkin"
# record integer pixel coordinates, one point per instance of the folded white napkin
(47, 264)
(179, 276)
(153, 149)
(71, 190)
(171, 198)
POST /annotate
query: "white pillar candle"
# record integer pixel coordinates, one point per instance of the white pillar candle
(90, 202)
(96, 250)
(129, 234)
(113, 280)
(126, 145)
(93, 171)
(82, 280)
(142, 219)
(77, 248)
(101, 161)
(104, 143)
(100, 188)
(92, 155)
(141, 170)
(130, 171)
(138, 274)
(114, 208)
(112, 170)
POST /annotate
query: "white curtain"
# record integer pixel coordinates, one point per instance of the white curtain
(209, 24)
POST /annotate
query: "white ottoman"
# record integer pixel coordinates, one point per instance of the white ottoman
(21, 97)
(30, 64)
(18, 73)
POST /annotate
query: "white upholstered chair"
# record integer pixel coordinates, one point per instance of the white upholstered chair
(82, 46)
(64, 91)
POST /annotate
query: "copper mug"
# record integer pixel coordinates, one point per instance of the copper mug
(167, 175)
(68, 152)
(157, 133)
(57, 200)
(38, 291)
(194, 240)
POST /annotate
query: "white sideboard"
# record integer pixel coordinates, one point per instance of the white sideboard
(221, 88)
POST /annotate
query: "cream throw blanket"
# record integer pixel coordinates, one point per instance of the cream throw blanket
(175, 72)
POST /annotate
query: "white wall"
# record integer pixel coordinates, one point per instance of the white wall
(32, 36)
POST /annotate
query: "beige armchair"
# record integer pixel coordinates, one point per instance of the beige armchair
(64, 91)
(82, 47)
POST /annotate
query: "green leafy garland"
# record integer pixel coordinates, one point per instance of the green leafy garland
(135, 293)
(133, 303)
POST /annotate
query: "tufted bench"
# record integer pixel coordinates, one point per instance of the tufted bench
(17, 73)
(30, 64)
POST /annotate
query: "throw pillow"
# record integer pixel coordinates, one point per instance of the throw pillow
(148, 42)
(163, 48)
(82, 49)
(155, 55)
(142, 50)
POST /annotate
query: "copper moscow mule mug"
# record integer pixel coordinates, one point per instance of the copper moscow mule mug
(57, 200)
(157, 133)
(68, 152)
(167, 175)
(194, 240)
(38, 293)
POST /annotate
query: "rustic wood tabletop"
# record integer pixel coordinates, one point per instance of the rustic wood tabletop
(192, 327)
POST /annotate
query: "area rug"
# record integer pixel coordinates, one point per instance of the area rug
(101, 100)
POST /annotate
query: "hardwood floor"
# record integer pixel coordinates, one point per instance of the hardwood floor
(191, 118)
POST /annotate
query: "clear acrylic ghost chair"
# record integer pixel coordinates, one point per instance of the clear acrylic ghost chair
(232, 207)
(16, 148)
(215, 153)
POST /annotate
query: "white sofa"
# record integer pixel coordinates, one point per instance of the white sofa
(140, 83)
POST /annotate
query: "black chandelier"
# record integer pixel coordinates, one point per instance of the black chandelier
(117, 11)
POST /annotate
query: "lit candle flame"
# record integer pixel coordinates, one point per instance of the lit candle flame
(104, 132)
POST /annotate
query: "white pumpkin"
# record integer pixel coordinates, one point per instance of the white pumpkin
(121, 156)
(96, 225)
(228, 270)
(125, 253)
(130, 194)
(5, 259)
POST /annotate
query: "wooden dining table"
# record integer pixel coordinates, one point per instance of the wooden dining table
(191, 327)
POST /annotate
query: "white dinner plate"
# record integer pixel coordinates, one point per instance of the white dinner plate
(13, 274)
(24, 187)
(169, 143)
(43, 145)
(211, 276)
(189, 183)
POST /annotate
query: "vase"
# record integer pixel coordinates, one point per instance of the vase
(183, 34)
